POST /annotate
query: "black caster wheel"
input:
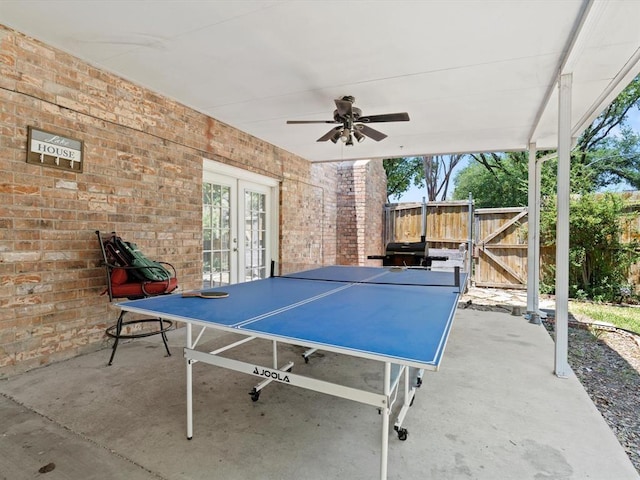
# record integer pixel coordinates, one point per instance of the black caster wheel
(306, 359)
(419, 382)
(402, 433)
(255, 395)
(412, 400)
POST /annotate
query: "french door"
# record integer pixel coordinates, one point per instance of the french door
(253, 248)
(239, 227)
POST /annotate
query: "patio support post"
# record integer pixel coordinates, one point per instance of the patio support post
(562, 229)
(470, 240)
(533, 240)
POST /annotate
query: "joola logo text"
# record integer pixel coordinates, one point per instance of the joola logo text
(274, 374)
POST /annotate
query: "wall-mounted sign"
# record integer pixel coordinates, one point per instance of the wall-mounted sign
(52, 150)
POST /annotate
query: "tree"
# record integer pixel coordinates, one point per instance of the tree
(402, 173)
(615, 160)
(434, 172)
(437, 174)
(496, 187)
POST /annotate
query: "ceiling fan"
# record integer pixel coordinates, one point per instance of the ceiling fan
(352, 124)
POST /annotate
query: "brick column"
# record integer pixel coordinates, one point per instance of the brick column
(361, 198)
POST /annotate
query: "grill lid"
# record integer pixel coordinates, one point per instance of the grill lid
(406, 248)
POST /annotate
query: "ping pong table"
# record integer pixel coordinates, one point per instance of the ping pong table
(400, 317)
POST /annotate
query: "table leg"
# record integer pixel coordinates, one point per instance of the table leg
(255, 391)
(275, 354)
(385, 422)
(189, 388)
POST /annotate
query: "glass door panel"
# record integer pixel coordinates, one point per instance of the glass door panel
(217, 201)
(255, 235)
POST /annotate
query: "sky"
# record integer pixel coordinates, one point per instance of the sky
(416, 194)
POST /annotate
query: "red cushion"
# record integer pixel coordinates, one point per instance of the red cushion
(129, 290)
(118, 276)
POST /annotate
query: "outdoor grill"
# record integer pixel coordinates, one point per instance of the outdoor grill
(408, 254)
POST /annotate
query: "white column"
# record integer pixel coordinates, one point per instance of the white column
(533, 240)
(470, 239)
(562, 229)
(536, 246)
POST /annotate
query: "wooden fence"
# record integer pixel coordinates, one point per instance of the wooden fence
(496, 237)
(447, 223)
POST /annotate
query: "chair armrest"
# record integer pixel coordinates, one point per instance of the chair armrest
(173, 269)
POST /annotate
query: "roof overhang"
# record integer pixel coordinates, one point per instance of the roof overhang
(473, 75)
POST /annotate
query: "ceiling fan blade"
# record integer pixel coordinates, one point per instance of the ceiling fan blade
(329, 134)
(387, 117)
(344, 106)
(371, 133)
(310, 121)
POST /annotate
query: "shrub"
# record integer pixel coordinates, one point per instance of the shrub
(598, 260)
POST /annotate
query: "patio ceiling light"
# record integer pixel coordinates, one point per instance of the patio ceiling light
(336, 136)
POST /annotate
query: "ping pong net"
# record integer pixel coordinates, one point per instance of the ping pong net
(398, 276)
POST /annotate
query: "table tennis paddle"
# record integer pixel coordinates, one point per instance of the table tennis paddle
(210, 294)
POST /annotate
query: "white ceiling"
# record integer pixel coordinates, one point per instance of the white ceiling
(474, 75)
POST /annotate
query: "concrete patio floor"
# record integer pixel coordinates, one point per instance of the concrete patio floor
(493, 411)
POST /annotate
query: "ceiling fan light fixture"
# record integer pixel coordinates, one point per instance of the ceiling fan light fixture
(349, 141)
(351, 123)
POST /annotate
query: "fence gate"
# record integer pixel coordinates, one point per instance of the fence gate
(500, 250)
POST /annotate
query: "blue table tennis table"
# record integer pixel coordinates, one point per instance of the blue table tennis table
(400, 317)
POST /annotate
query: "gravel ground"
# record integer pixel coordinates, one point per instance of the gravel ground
(607, 363)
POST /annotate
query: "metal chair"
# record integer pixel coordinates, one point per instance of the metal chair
(127, 279)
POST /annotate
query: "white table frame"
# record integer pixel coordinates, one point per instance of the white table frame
(382, 401)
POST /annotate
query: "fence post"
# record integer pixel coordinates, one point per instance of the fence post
(423, 232)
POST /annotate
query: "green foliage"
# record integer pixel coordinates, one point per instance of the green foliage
(500, 180)
(402, 173)
(598, 261)
(491, 188)
(616, 160)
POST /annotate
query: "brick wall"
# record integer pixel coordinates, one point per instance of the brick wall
(307, 229)
(143, 160)
(361, 194)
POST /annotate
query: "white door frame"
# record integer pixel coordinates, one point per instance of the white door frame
(220, 173)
